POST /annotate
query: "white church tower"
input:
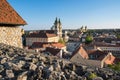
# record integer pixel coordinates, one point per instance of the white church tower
(57, 27)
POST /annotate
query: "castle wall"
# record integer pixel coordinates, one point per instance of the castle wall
(11, 36)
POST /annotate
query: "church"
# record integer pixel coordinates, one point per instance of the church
(46, 36)
(57, 28)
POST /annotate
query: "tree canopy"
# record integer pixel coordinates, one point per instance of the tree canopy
(88, 39)
(61, 41)
(115, 66)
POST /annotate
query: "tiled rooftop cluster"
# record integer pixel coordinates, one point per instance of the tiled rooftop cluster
(43, 34)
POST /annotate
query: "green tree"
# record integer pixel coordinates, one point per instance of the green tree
(88, 39)
(118, 36)
(115, 66)
(61, 41)
(92, 76)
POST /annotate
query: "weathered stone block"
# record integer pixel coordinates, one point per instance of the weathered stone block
(23, 76)
(33, 66)
(9, 73)
(3, 60)
(1, 68)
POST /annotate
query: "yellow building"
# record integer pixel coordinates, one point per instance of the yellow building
(42, 36)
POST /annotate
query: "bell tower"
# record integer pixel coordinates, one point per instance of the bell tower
(60, 29)
(57, 27)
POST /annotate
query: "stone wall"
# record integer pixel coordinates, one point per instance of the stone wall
(11, 36)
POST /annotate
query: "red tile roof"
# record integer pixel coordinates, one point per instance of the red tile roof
(8, 16)
(42, 34)
(53, 51)
(40, 45)
(44, 45)
(80, 50)
(58, 45)
(109, 59)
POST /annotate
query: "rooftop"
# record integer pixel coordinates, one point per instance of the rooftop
(8, 16)
(80, 50)
(42, 34)
(47, 44)
(53, 51)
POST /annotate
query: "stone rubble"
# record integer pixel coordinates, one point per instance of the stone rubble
(20, 64)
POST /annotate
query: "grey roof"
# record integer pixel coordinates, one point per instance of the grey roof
(87, 62)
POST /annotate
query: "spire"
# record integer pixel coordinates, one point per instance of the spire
(59, 21)
(55, 21)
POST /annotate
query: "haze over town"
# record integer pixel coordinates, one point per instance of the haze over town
(40, 14)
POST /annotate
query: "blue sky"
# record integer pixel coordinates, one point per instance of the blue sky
(41, 14)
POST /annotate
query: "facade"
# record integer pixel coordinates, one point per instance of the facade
(42, 36)
(65, 36)
(10, 32)
(116, 41)
(74, 38)
(108, 47)
(105, 47)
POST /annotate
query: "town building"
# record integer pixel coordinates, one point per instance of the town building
(72, 45)
(54, 51)
(80, 51)
(95, 58)
(65, 36)
(10, 20)
(105, 47)
(41, 36)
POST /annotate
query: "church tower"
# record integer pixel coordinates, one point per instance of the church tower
(57, 27)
